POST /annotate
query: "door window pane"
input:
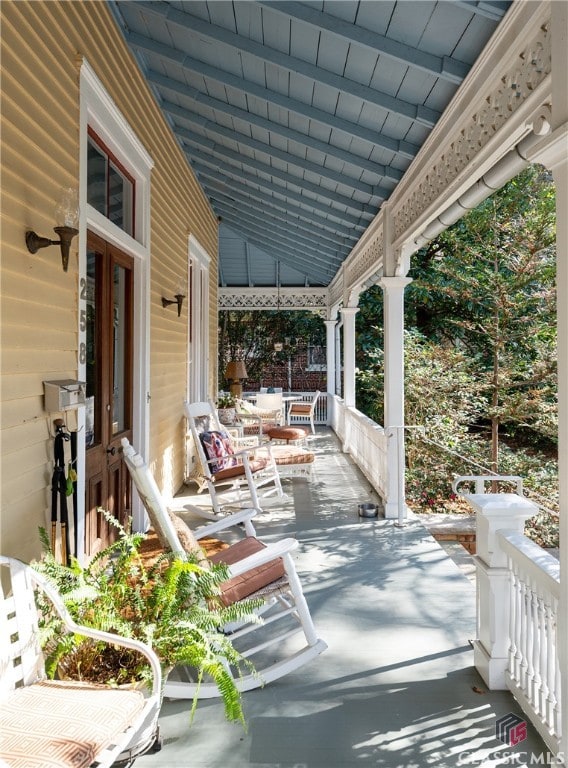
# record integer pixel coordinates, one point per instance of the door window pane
(120, 348)
(91, 426)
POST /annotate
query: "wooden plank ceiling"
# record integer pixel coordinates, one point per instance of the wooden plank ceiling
(300, 118)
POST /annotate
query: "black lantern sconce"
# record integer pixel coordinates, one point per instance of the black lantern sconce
(177, 299)
(67, 219)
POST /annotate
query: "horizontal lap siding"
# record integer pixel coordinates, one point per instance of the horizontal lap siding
(42, 47)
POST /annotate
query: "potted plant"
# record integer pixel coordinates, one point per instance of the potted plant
(226, 408)
(168, 603)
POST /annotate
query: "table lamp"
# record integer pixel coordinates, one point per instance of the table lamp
(235, 372)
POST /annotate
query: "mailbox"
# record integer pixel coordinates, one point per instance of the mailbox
(64, 395)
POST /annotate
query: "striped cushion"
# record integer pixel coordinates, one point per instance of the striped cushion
(63, 724)
(290, 454)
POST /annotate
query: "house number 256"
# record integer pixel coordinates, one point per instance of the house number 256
(82, 320)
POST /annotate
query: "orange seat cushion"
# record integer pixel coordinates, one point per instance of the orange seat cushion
(287, 433)
(239, 587)
(300, 408)
(239, 470)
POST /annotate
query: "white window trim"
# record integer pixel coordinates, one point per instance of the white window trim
(98, 111)
(198, 357)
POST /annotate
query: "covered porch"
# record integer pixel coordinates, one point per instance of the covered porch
(397, 685)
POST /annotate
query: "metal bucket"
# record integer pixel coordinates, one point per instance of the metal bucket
(367, 510)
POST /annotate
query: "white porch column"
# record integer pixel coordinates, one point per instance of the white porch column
(330, 355)
(338, 390)
(393, 312)
(348, 315)
(330, 364)
(495, 511)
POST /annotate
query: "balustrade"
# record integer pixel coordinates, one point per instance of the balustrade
(533, 669)
(518, 586)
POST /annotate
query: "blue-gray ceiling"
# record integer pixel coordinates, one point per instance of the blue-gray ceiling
(299, 118)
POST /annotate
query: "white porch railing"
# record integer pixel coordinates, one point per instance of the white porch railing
(533, 670)
(364, 440)
(320, 414)
(518, 592)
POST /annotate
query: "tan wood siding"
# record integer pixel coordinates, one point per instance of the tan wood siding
(42, 46)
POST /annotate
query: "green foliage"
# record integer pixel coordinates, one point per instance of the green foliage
(226, 400)
(250, 336)
(481, 353)
(487, 285)
(170, 604)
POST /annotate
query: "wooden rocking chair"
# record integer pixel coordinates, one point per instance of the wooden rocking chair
(256, 570)
(68, 724)
(226, 468)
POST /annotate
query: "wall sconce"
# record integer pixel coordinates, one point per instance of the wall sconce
(178, 298)
(235, 372)
(67, 219)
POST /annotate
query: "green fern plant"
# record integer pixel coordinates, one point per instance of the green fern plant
(172, 605)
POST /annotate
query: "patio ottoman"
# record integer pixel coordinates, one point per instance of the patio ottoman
(287, 434)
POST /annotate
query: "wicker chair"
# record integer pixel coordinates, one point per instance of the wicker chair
(256, 420)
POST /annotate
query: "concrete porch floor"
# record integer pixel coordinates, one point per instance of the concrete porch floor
(396, 686)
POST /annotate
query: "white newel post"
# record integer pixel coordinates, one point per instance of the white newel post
(494, 512)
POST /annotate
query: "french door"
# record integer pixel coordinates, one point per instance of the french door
(109, 328)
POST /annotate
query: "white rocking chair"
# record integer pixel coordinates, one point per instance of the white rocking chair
(69, 724)
(230, 470)
(256, 570)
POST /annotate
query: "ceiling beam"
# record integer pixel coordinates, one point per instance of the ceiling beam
(445, 67)
(318, 250)
(303, 229)
(373, 190)
(218, 151)
(491, 10)
(291, 258)
(253, 197)
(301, 200)
(343, 155)
(386, 101)
(331, 122)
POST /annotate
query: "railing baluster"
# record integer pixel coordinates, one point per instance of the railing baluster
(524, 638)
(534, 667)
(551, 665)
(516, 624)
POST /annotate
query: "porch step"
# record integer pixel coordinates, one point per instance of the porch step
(451, 527)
